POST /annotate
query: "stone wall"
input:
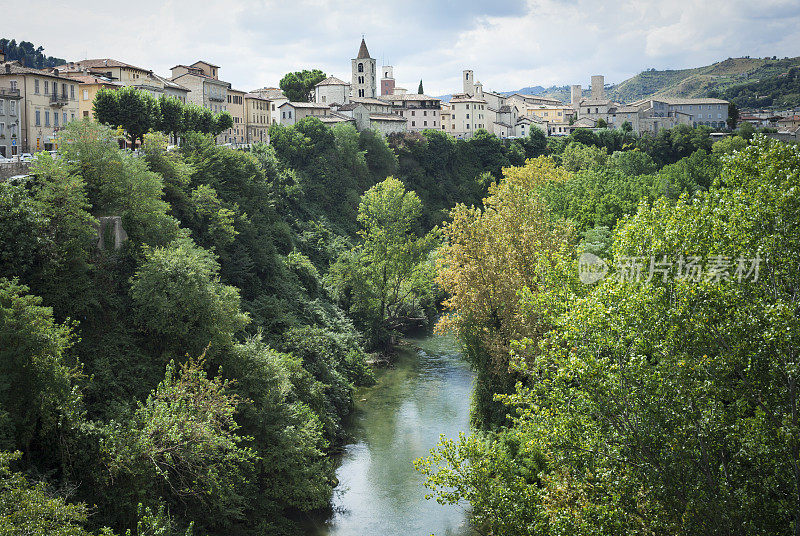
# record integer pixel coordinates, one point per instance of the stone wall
(14, 168)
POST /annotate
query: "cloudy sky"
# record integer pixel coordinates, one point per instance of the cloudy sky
(508, 43)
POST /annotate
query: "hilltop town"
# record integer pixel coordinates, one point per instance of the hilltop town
(36, 103)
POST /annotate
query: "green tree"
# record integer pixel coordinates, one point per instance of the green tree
(180, 304)
(387, 278)
(106, 107)
(733, 116)
(171, 118)
(222, 122)
(28, 507)
(297, 86)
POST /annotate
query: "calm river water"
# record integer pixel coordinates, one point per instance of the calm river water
(425, 394)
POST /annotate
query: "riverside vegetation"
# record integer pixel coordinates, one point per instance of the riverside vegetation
(196, 379)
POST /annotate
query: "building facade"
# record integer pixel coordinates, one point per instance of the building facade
(47, 102)
(237, 134)
(332, 91)
(205, 88)
(421, 112)
(257, 118)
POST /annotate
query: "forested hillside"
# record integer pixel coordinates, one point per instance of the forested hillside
(28, 54)
(736, 79)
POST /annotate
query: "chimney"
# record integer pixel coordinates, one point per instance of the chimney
(575, 97)
(55, 72)
(2, 55)
(598, 87)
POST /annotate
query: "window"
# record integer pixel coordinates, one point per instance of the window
(284, 115)
(65, 118)
(12, 107)
(2, 128)
(46, 87)
(38, 118)
(55, 119)
(36, 86)
(360, 67)
(425, 123)
(46, 118)
(2, 106)
(13, 84)
(85, 94)
(412, 112)
(86, 113)
(63, 90)
(413, 123)
(467, 126)
(467, 116)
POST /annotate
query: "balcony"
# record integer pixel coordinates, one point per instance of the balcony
(9, 93)
(59, 100)
(217, 98)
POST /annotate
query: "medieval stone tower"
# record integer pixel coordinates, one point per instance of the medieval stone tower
(364, 81)
(469, 82)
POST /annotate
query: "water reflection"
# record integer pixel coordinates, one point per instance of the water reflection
(426, 393)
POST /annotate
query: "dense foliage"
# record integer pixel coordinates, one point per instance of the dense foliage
(662, 404)
(28, 55)
(194, 373)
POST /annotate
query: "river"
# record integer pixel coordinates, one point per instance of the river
(424, 394)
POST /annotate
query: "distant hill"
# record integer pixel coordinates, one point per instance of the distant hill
(28, 54)
(748, 82)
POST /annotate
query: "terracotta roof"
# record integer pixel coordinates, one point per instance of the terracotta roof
(363, 53)
(255, 96)
(333, 81)
(207, 63)
(348, 107)
(100, 63)
(14, 67)
(91, 79)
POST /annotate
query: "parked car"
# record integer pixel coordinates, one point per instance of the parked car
(25, 157)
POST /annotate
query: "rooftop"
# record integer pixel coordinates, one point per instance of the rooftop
(14, 67)
(306, 105)
(100, 63)
(408, 97)
(333, 81)
(363, 53)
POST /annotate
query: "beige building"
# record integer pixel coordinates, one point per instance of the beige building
(467, 115)
(237, 134)
(292, 112)
(45, 103)
(89, 86)
(421, 112)
(277, 99)
(205, 88)
(116, 71)
(257, 118)
(332, 91)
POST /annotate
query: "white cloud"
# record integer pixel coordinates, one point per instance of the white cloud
(509, 43)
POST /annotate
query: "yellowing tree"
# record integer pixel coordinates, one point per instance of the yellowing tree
(490, 255)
